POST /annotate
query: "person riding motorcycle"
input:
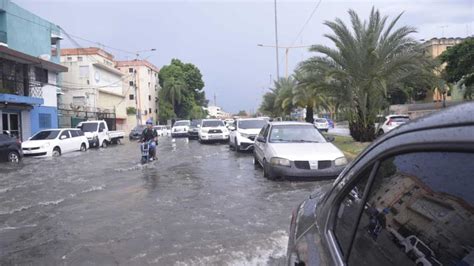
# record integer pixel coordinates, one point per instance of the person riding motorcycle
(149, 134)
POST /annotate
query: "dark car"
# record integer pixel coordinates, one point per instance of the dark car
(193, 131)
(408, 198)
(10, 149)
(136, 132)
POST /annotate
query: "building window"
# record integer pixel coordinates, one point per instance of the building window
(131, 96)
(149, 97)
(145, 112)
(69, 58)
(156, 111)
(44, 120)
(130, 83)
(130, 70)
(149, 110)
(41, 75)
(79, 58)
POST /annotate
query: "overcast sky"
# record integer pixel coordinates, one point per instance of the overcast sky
(221, 37)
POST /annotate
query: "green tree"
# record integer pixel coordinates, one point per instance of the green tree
(284, 99)
(369, 58)
(459, 68)
(308, 92)
(267, 107)
(242, 113)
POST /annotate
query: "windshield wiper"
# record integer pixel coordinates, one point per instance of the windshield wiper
(304, 141)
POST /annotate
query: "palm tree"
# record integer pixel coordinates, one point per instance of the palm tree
(284, 99)
(308, 92)
(172, 90)
(368, 58)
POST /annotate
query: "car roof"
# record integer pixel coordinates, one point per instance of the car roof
(294, 123)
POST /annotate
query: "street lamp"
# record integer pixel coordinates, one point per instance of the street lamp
(287, 49)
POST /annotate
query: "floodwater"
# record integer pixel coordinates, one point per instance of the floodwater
(197, 205)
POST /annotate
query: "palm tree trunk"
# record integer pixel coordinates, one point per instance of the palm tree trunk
(309, 114)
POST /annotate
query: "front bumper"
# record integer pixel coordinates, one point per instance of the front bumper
(134, 136)
(27, 152)
(179, 134)
(293, 171)
(216, 137)
(94, 142)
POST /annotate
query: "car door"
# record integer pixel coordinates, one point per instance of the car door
(65, 141)
(75, 140)
(425, 195)
(260, 146)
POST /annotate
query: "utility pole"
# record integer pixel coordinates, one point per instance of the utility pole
(287, 49)
(215, 99)
(276, 42)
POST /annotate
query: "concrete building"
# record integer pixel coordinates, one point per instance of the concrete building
(29, 48)
(141, 90)
(92, 85)
(434, 48)
(217, 112)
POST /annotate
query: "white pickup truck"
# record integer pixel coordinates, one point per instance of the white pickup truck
(98, 134)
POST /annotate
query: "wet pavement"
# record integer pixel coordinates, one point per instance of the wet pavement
(197, 205)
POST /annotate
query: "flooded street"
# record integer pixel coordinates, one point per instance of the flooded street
(197, 205)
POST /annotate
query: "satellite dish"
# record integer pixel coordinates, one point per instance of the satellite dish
(46, 57)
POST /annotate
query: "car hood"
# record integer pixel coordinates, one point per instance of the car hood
(250, 131)
(35, 143)
(306, 151)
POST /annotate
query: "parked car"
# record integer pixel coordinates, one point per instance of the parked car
(54, 142)
(180, 128)
(136, 132)
(322, 124)
(242, 136)
(98, 134)
(420, 175)
(385, 124)
(296, 149)
(10, 149)
(193, 131)
(213, 130)
(160, 130)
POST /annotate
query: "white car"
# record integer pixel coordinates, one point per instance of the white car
(161, 130)
(54, 142)
(180, 128)
(390, 122)
(213, 130)
(242, 136)
(296, 149)
(322, 124)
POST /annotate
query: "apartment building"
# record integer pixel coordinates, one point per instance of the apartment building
(141, 90)
(29, 68)
(92, 87)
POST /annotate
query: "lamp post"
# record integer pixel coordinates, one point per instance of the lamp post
(287, 49)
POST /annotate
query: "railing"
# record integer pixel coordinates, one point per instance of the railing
(20, 86)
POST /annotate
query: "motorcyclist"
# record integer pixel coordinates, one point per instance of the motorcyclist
(149, 134)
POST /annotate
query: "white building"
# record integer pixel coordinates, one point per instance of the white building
(140, 89)
(217, 112)
(93, 83)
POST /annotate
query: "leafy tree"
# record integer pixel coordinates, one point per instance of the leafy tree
(242, 113)
(369, 58)
(459, 61)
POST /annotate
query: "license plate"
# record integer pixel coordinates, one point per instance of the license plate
(313, 164)
(214, 136)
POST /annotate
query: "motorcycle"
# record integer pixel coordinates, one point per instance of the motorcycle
(146, 151)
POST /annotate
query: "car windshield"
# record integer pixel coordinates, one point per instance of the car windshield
(195, 123)
(46, 134)
(212, 123)
(247, 124)
(320, 120)
(295, 133)
(181, 123)
(89, 127)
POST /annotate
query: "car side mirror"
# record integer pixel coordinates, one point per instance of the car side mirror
(261, 139)
(330, 138)
(62, 137)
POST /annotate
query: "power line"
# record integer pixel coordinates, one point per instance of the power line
(307, 21)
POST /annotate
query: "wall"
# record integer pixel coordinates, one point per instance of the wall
(34, 115)
(23, 26)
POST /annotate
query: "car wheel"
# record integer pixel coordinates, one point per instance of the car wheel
(255, 160)
(56, 152)
(380, 133)
(14, 157)
(104, 144)
(266, 171)
(83, 147)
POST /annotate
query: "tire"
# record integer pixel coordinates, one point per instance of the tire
(83, 147)
(255, 160)
(266, 171)
(104, 144)
(56, 152)
(13, 157)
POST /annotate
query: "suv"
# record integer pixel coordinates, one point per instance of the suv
(390, 122)
(213, 130)
(416, 180)
(242, 136)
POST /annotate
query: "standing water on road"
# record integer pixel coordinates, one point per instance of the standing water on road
(196, 205)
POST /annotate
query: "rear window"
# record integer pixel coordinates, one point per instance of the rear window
(181, 123)
(320, 120)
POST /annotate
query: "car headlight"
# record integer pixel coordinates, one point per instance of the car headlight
(340, 161)
(280, 161)
(46, 145)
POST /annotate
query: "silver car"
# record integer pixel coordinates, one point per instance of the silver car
(295, 149)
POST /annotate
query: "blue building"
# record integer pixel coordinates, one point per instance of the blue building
(29, 68)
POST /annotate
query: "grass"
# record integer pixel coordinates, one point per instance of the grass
(349, 147)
